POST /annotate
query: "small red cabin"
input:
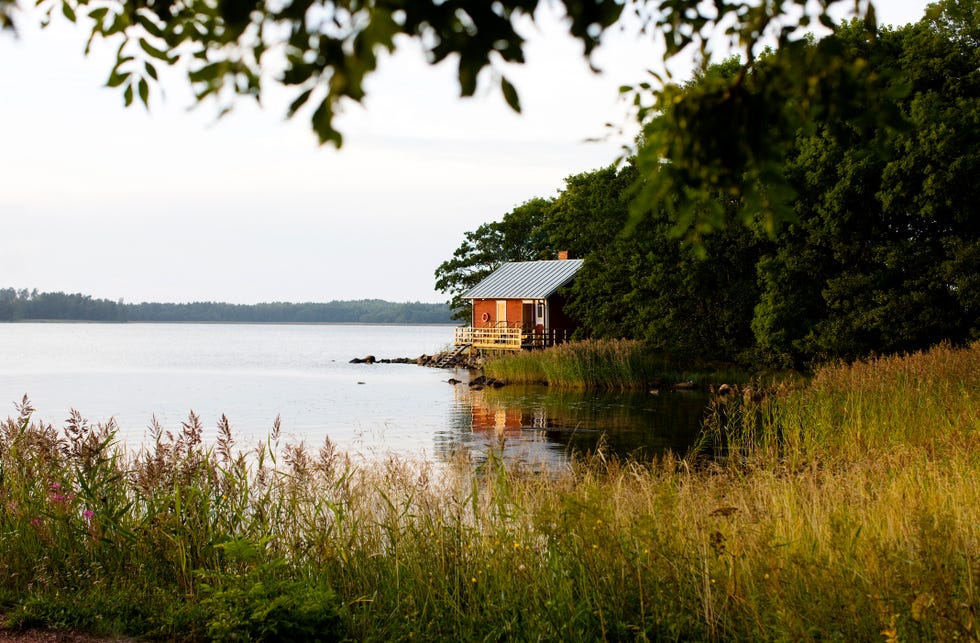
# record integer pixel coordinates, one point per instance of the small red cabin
(520, 305)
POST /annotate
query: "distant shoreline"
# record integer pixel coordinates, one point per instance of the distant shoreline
(34, 306)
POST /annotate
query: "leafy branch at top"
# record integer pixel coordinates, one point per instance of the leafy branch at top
(721, 137)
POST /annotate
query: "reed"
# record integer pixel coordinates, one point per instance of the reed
(843, 510)
(590, 364)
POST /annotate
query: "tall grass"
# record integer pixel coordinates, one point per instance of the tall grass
(927, 400)
(844, 512)
(590, 364)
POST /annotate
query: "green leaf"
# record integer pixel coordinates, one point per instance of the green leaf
(510, 94)
(128, 94)
(117, 78)
(871, 19)
(207, 74)
(149, 24)
(68, 12)
(98, 14)
(144, 92)
(298, 103)
(323, 124)
(159, 54)
(151, 71)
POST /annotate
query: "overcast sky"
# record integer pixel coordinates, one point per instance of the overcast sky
(172, 205)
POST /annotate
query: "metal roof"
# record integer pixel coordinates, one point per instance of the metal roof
(525, 280)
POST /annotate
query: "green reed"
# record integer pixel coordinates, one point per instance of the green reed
(836, 513)
(592, 364)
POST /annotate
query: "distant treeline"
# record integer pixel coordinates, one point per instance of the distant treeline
(18, 305)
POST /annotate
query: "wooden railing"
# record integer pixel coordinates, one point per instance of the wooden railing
(499, 337)
(502, 337)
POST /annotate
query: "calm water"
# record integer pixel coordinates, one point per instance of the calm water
(253, 373)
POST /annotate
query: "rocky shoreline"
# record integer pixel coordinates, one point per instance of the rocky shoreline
(445, 359)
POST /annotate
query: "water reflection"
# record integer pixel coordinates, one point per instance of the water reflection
(539, 427)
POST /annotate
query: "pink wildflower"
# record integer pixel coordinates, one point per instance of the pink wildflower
(88, 513)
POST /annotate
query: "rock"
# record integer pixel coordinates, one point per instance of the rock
(478, 381)
(684, 386)
(454, 381)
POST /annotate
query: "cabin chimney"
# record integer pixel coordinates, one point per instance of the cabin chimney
(562, 255)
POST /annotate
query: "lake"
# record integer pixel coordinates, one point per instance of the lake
(301, 373)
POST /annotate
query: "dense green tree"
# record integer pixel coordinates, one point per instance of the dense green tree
(884, 255)
(9, 304)
(591, 210)
(23, 304)
(689, 301)
(518, 236)
(640, 280)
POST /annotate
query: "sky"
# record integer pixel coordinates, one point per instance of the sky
(172, 204)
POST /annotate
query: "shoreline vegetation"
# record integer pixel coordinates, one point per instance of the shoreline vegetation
(843, 507)
(615, 365)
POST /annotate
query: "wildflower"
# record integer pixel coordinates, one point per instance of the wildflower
(54, 486)
(87, 514)
(36, 522)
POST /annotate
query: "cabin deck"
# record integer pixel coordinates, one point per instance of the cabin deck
(504, 337)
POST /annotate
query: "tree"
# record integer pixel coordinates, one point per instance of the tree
(326, 49)
(517, 237)
(592, 209)
(643, 282)
(885, 252)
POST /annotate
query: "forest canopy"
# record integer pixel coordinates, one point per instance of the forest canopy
(881, 253)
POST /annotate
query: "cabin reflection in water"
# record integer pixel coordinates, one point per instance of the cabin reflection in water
(512, 432)
(542, 428)
(504, 421)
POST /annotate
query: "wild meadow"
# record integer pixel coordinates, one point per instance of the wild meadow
(843, 508)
